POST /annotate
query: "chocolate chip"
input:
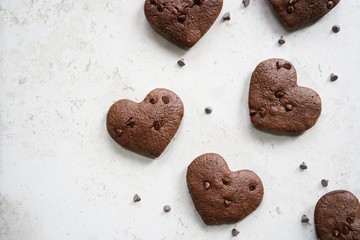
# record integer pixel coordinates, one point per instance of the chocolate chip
(350, 220)
(118, 132)
(208, 110)
(288, 107)
(181, 62)
(206, 185)
(345, 230)
(165, 99)
(226, 17)
(167, 208)
(130, 122)
(330, 4)
(198, 2)
(281, 40)
(290, 9)
(252, 112)
(252, 187)
(287, 66)
(226, 180)
(303, 166)
(182, 18)
(246, 2)
(279, 94)
(152, 100)
(333, 77)
(304, 219)
(153, 1)
(157, 125)
(234, 232)
(227, 202)
(160, 7)
(136, 198)
(335, 233)
(324, 182)
(336, 28)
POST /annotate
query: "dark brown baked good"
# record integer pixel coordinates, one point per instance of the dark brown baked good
(183, 22)
(220, 195)
(337, 216)
(146, 127)
(298, 13)
(277, 103)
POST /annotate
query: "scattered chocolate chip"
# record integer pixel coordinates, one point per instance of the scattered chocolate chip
(206, 185)
(335, 233)
(290, 9)
(165, 99)
(287, 66)
(227, 202)
(226, 17)
(208, 110)
(279, 94)
(330, 4)
(152, 100)
(252, 112)
(136, 198)
(350, 220)
(281, 40)
(252, 187)
(160, 7)
(336, 28)
(157, 125)
(246, 2)
(198, 2)
(288, 107)
(167, 208)
(333, 77)
(181, 62)
(226, 181)
(304, 219)
(303, 166)
(324, 182)
(234, 232)
(182, 18)
(345, 230)
(153, 1)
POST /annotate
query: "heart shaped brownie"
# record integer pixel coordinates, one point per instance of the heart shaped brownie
(147, 127)
(276, 103)
(297, 13)
(337, 216)
(219, 194)
(183, 22)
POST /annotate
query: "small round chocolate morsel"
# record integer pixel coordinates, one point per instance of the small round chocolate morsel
(226, 181)
(330, 4)
(252, 112)
(252, 187)
(152, 100)
(136, 198)
(335, 233)
(303, 166)
(160, 7)
(279, 94)
(165, 99)
(182, 18)
(206, 185)
(198, 2)
(345, 230)
(288, 107)
(167, 208)
(181, 62)
(227, 202)
(333, 77)
(246, 2)
(287, 66)
(290, 9)
(234, 232)
(157, 125)
(336, 28)
(324, 182)
(281, 41)
(304, 219)
(153, 1)
(208, 110)
(226, 17)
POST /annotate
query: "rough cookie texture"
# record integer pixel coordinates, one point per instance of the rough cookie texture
(219, 194)
(183, 22)
(297, 13)
(147, 127)
(337, 216)
(276, 103)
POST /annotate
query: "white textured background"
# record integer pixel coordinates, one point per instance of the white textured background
(63, 63)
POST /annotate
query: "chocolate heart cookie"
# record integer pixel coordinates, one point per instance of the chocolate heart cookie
(147, 127)
(183, 22)
(337, 216)
(297, 13)
(277, 103)
(219, 194)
